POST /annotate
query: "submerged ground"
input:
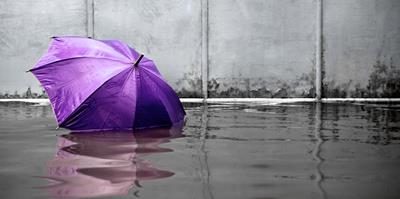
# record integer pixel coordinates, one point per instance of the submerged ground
(302, 150)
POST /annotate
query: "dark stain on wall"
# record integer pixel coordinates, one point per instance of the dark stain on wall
(303, 86)
(28, 94)
(383, 82)
(189, 94)
(189, 86)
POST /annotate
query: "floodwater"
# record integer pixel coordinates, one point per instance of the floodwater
(301, 150)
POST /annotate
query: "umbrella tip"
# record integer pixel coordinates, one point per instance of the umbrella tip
(55, 38)
(138, 60)
(27, 71)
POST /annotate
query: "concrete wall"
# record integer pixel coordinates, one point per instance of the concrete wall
(221, 48)
(25, 30)
(361, 48)
(261, 48)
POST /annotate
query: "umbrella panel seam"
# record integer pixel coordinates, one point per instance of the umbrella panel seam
(77, 108)
(71, 58)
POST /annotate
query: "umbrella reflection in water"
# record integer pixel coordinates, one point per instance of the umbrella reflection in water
(95, 164)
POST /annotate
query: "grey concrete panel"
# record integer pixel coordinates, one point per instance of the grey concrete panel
(361, 48)
(169, 32)
(261, 48)
(25, 30)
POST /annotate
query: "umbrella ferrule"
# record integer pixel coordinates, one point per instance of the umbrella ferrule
(138, 60)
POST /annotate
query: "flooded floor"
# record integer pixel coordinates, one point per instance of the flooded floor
(302, 150)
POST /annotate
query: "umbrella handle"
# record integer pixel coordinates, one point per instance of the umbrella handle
(138, 60)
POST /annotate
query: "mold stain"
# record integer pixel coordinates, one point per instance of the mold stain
(28, 94)
(302, 86)
(383, 82)
(189, 86)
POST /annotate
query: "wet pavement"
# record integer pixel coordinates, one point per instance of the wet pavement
(299, 150)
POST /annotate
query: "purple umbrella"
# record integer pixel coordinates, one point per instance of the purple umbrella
(105, 85)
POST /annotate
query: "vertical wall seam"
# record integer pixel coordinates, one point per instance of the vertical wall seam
(90, 18)
(318, 51)
(207, 49)
(204, 48)
(93, 35)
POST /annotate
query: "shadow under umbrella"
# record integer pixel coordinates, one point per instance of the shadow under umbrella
(93, 164)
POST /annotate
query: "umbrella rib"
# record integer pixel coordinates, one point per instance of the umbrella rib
(137, 84)
(105, 46)
(155, 74)
(101, 85)
(127, 53)
(158, 98)
(162, 81)
(122, 88)
(159, 77)
(71, 58)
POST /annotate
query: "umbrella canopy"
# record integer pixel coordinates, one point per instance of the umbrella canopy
(105, 85)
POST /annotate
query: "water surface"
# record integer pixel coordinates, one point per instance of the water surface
(302, 150)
